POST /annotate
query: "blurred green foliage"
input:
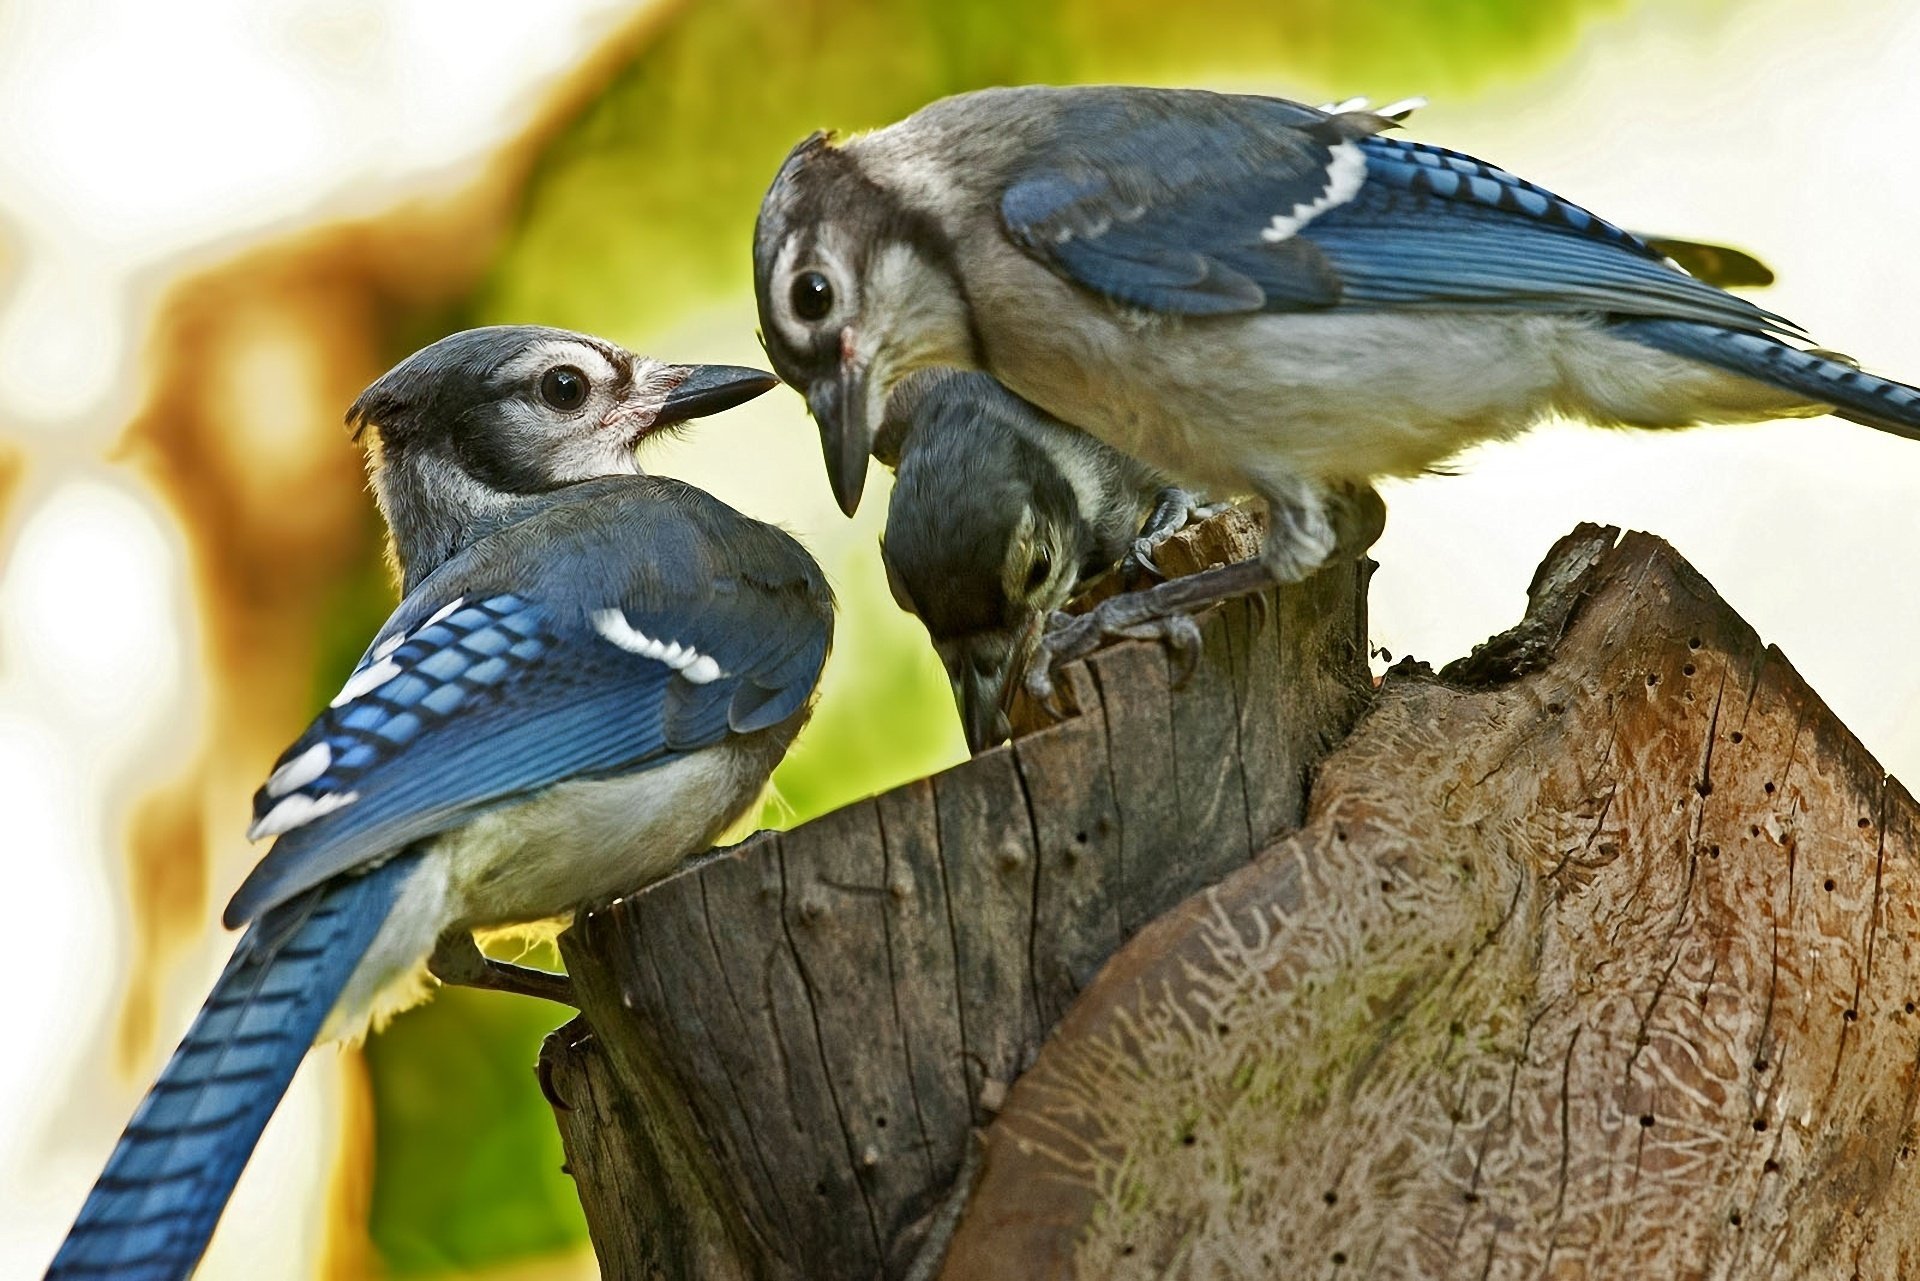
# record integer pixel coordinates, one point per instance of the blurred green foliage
(640, 217)
(467, 1158)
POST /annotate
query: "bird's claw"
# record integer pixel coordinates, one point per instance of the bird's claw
(1173, 510)
(458, 961)
(1127, 617)
(1139, 558)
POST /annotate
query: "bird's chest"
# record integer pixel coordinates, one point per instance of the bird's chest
(1148, 386)
(590, 840)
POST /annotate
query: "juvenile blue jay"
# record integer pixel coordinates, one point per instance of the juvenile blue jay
(592, 674)
(1252, 295)
(999, 515)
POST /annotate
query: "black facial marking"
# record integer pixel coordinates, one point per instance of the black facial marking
(820, 185)
(511, 462)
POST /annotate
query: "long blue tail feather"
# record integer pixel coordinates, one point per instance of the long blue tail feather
(154, 1207)
(1854, 394)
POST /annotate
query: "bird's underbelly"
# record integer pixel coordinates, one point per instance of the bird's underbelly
(1349, 396)
(578, 843)
(590, 840)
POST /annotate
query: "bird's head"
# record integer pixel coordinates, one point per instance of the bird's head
(983, 541)
(856, 288)
(481, 419)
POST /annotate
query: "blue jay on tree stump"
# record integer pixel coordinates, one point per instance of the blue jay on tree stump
(591, 676)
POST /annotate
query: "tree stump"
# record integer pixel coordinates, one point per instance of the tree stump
(1594, 955)
(782, 1054)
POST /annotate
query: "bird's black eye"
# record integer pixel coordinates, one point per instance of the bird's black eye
(564, 387)
(812, 296)
(1041, 570)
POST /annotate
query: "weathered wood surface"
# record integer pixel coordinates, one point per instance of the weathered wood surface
(783, 1056)
(1597, 957)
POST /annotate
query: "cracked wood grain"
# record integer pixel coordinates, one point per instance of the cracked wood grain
(1597, 956)
(793, 1046)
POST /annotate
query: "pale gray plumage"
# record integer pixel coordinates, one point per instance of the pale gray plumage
(999, 514)
(1252, 295)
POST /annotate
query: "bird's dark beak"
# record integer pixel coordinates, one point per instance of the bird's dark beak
(839, 407)
(982, 670)
(981, 695)
(708, 389)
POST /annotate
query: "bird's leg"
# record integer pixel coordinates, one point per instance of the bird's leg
(1358, 517)
(1307, 525)
(1163, 612)
(458, 960)
(1173, 510)
(1300, 532)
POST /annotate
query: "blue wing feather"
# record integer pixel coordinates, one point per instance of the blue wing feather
(1819, 376)
(1166, 200)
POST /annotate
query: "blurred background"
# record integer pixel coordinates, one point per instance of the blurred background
(219, 219)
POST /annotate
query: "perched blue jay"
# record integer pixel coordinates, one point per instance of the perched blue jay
(1249, 294)
(999, 515)
(592, 674)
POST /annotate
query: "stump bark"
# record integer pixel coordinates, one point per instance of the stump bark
(1593, 955)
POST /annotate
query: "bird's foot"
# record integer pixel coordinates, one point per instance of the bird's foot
(1173, 510)
(1309, 527)
(1163, 612)
(458, 961)
(1301, 535)
(1358, 516)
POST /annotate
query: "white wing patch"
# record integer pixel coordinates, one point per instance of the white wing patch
(1345, 172)
(685, 659)
(301, 770)
(1396, 110)
(297, 810)
(381, 669)
(445, 611)
(365, 681)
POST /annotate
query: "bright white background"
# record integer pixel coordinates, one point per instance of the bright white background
(140, 139)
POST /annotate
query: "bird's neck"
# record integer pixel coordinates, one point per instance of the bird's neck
(434, 508)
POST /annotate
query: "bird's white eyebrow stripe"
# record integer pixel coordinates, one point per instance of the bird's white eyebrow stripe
(612, 625)
(546, 352)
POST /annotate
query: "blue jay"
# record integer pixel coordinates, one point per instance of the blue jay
(999, 516)
(1252, 295)
(591, 674)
